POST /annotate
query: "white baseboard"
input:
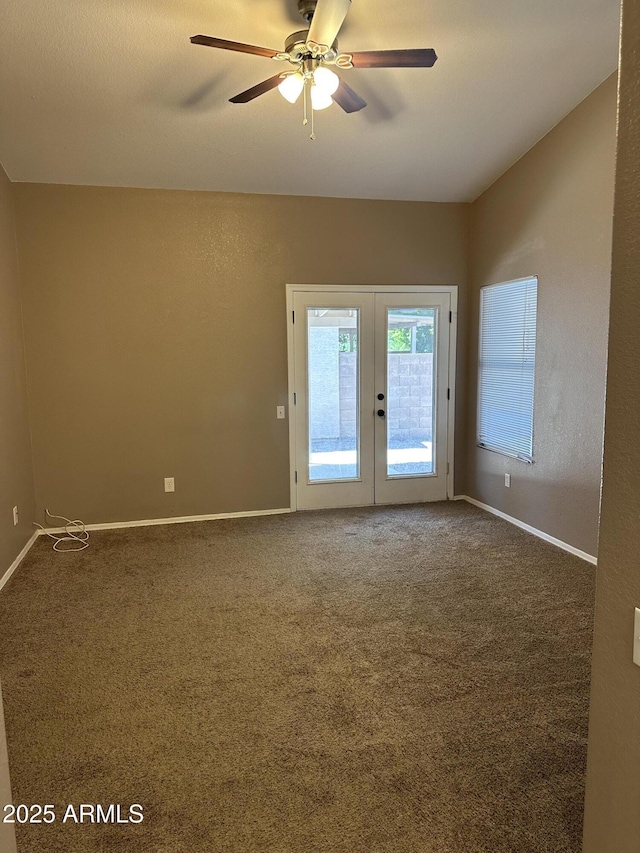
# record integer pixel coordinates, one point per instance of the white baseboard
(146, 522)
(539, 533)
(180, 519)
(5, 577)
(185, 519)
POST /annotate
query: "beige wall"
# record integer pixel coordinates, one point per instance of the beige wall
(16, 472)
(550, 216)
(612, 814)
(156, 333)
(7, 830)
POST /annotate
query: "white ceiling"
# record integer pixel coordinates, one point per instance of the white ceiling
(111, 92)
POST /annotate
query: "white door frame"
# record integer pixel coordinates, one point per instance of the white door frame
(451, 289)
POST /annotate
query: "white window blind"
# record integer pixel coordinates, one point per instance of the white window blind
(507, 367)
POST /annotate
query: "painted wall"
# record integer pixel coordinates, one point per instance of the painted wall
(612, 815)
(155, 329)
(550, 215)
(7, 830)
(16, 471)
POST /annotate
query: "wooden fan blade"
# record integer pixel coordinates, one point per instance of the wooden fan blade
(327, 20)
(256, 91)
(346, 98)
(419, 58)
(210, 41)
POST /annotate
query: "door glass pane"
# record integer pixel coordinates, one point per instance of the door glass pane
(332, 383)
(410, 418)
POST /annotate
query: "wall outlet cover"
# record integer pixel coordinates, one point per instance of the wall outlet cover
(169, 484)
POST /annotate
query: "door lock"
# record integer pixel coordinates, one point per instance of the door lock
(380, 396)
(380, 413)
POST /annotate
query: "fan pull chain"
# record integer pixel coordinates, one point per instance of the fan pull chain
(304, 101)
(313, 133)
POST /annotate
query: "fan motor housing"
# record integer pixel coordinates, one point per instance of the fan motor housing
(299, 38)
(295, 43)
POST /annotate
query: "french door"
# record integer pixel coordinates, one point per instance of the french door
(370, 380)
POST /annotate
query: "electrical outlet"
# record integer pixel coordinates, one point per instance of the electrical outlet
(280, 412)
(507, 481)
(15, 515)
(169, 484)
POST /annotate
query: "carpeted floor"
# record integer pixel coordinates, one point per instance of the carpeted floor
(380, 680)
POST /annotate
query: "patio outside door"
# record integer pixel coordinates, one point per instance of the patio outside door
(370, 377)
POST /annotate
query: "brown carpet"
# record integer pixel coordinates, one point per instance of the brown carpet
(407, 679)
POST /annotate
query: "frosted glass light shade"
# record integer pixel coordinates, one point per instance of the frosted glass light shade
(291, 87)
(326, 80)
(320, 100)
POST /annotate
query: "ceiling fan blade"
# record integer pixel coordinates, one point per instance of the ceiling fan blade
(256, 91)
(210, 41)
(419, 58)
(327, 20)
(346, 98)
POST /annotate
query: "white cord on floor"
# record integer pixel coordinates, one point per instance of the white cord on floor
(78, 537)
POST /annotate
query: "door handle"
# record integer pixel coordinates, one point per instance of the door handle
(380, 413)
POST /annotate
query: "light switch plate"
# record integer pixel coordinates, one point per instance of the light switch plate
(636, 638)
(280, 412)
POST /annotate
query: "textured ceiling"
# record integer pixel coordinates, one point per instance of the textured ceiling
(111, 92)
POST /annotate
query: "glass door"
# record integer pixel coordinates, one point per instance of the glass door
(333, 335)
(371, 397)
(411, 391)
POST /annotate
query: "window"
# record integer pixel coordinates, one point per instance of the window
(507, 367)
(410, 330)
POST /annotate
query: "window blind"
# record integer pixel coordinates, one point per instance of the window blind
(507, 367)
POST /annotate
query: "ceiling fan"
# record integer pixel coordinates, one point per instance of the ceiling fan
(312, 52)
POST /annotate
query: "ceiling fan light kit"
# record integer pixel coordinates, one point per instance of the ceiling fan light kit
(291, 86)
(311, 52)
(320, 100)
(326, 79)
